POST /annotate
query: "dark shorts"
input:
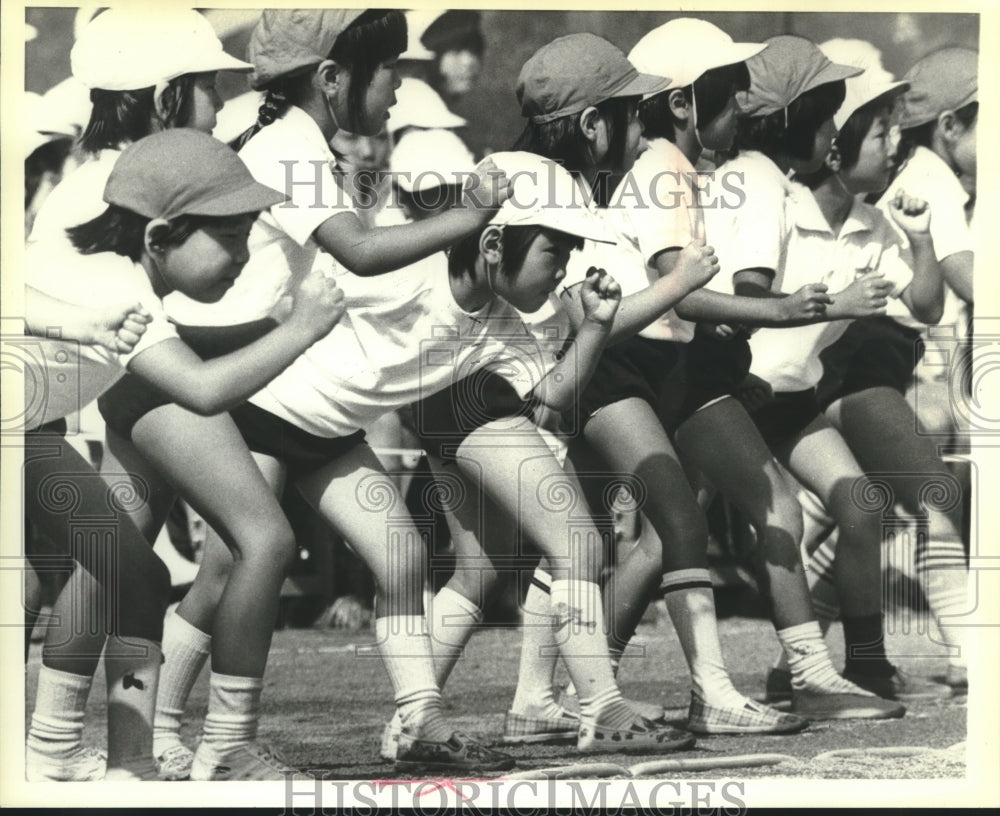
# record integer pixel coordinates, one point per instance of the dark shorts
(131, 398)
(444, 420)
(300, 451)
(873, 352)
(785, 416)
(56, 426)
(655, 371)
(716, 367)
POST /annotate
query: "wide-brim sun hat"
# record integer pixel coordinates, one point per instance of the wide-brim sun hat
(125, 49)
(946, 79)
(424, 159)
(685, 48)
(181, 171)
(789, 67)
(545, 194)
(287, 41)
(573, 72)
(876, 82)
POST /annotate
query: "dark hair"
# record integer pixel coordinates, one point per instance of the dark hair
(516, 242)
(923, 135)
(429, 200)
(713, 90)
(374, 37)
(563, 141)
(119, 117)
(850, 138)
(47, 158)
(123, 232)
(455, 30)
(806, 115)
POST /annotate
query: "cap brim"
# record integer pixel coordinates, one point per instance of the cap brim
(249, 198)
(833, 72)
(645, 85)
(887, 89)
(217, 61)
(578, 225)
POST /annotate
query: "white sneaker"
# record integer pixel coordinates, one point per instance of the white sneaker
(389, 746)
(81, 765)
(175, 763)
(252, 761)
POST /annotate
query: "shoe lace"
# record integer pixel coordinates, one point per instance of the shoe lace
(271, 758)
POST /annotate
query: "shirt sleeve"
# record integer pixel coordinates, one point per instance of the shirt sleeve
(129, 281)
(657, 202)
(895, 260)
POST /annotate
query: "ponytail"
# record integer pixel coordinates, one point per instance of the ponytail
(276, 104)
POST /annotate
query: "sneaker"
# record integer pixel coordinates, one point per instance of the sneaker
(642, 737)
(175, 763)
(80, 765)
(520, 729)
(253, 761)
(817, 706)
(389, 746)
(899, 686)
(458, 753)
(957, 679)
(778, 685)
(143, 772)
(750, 718)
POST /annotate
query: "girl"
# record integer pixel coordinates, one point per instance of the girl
(619, 412)
(181, 205)
(867, 371)
(712, 431)
(321, 69)
(802, 238)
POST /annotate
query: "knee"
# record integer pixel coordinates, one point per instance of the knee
(269, 546)
(477, 584)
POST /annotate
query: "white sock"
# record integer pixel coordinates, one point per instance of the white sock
(185, 651)
(406, 652)
(535, 694)
(944, 577)
(809, 661)
(688, 595)
(823, 593)
(453, 620)
(57, 722)
(132, 684)
(579, 630)
(233, 712)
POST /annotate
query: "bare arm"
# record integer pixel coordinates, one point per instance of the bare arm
(116, 328)
(957, 270)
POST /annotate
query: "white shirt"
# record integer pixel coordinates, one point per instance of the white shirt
(925, 175)
(402, 338)
(788, 358)
(657, 207)
(289, 155)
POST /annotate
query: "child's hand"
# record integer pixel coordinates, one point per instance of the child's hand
(317, 303)
(865, 297)
(487, 190)
(696, 263)
(600, 295)
(753, 392)
(912, 214)
(118, 328)
(807, 303)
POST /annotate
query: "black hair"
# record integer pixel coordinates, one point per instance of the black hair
(375, 36)
(120, 117)
(923, 135)
(516, 242)
(455, 30)
(562, 140)
(429, 200)
(123, 232)
(47, 158)
(806, 115)
(713, 90)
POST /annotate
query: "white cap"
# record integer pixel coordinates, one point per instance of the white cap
(127, 49)
(544, 194)
(237, 114)
(866, 87)
(425, 159)
(686, 48)
(418, 105)
(47, 119)
(417, 22)
(68, 102)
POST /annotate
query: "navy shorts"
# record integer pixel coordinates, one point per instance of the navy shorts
(785, 416)
(873, 352)
(444, 420)
(716, 367)
(300, 451)
(655, 371)
(132, 397)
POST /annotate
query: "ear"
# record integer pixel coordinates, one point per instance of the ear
(491, 245)
(680, 108)
(329, 76)
(948, 124)
(156, 231)
(833, 159)
(590, 122)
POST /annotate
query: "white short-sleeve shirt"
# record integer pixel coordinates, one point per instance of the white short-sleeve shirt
(925, 175)
(403, 338)
(788, 358)
(292, 156)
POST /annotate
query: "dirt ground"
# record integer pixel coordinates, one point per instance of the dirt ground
(326, 699)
